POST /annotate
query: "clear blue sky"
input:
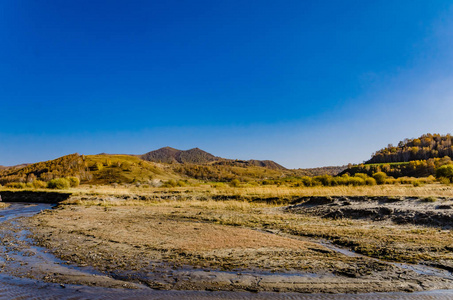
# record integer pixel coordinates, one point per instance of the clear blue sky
(304, 83)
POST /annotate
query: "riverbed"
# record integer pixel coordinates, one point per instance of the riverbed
(31, 272)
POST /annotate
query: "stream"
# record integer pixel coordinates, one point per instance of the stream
(16, 285)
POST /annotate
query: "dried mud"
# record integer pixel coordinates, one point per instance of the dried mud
(183, 248)
(433, 212)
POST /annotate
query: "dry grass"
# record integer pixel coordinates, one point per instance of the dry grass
(378, 190)
(434, 189)
(282, 192)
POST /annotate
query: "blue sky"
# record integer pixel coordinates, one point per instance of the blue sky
(304, 83)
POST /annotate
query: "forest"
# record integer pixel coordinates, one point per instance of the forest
(423, 148)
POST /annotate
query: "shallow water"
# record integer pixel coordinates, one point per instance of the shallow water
(23, 288)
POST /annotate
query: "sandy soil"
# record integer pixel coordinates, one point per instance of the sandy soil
(204, 247)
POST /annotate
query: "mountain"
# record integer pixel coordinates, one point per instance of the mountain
(199, 157)
(171, 155)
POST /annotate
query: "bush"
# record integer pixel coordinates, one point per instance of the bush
(39, 184)
(430, 199)
(73, 181)
(181, 183)
(391, 180)
(361, 175)
(98, 166)
(416, 183)
(16, 185)
(325, 180)
(59, 183)
(444, 180)
(380, 177)
(235, 182)
(370, 181)
(169, 183)
(356, 181)
(445, 171)
(306, 180)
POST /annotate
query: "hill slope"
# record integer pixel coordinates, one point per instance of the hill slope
(419, 157)
(160, 165)
(425, 147)
(197, 156)
(69, 165)
(171, 155)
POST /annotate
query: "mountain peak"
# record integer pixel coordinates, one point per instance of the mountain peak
(172, 155)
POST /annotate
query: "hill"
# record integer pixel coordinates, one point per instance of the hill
(171, 155)
(69, 165)
(110, 168)
(417, 157)
(151, 168)
(197, 156)
(425, 147)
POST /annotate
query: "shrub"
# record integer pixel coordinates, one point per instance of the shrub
(16, 185)
(73, 181)
(59, 183)
(445, 171)
(39, 184)
(391, 180)
(356, 181)
(430, 179)
(235, 182)
(169, 183)
(361, 175)
(98, 166)
(306, 180)
(380, 177)
(444, 180)
(430, 199)
(325, 180)
(416, 183)
(218, 184)
(181, 183)
(370, 181)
